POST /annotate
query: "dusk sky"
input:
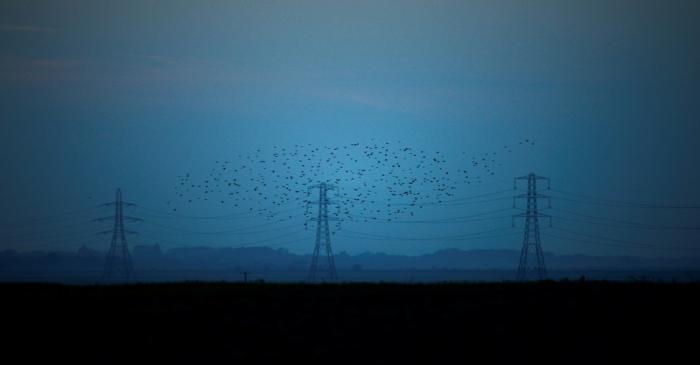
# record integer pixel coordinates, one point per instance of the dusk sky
(96, 95)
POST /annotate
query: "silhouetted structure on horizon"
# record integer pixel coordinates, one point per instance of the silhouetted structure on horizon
(118, 263)
(322, 271)
(531, 231)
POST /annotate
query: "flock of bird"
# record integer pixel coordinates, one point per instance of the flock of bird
(376, 180)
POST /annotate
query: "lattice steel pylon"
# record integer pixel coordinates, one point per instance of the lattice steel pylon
(118, 264)
(323, 270)
(531, 230)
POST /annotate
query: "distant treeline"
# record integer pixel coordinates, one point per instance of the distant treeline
(265, 258)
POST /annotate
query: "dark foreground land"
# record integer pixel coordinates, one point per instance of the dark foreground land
(572, 322)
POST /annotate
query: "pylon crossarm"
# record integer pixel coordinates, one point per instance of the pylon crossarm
(534, 215)
(533, 196)
(326, 185)
(330, 219)
(102, 219)
(125, 204)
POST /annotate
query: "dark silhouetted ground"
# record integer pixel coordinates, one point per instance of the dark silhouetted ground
(562, 322)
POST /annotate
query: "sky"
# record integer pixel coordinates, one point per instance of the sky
(99, 95)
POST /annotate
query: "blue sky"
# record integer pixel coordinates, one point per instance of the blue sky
(98, 95)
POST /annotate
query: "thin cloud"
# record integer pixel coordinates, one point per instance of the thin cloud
(26, 28)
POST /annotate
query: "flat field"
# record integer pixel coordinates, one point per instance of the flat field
(196, 322)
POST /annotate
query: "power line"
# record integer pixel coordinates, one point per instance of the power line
(618, 245)
(60, 217)
(464, 219)
(70, 229)
(628, 225)
(242, 231)
(618, 203)
(458, 200)
(437, 238)
(56, 241)
(241, 215)
(630, 243)
(474, 202)
(158, 239)
(427, 203)
(408, 240)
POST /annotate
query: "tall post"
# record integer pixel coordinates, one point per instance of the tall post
(323, 269)
(118, 264)
(528, 270)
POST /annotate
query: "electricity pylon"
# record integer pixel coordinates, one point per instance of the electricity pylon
(531, 231)
(118, 264)
(322, 269)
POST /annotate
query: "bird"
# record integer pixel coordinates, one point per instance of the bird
(384, 180)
